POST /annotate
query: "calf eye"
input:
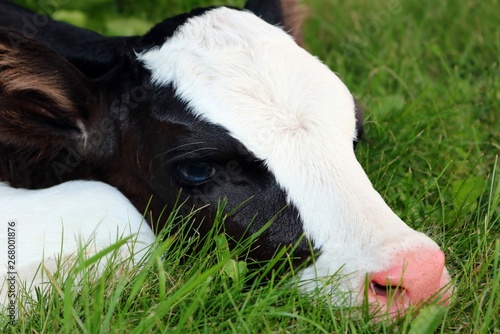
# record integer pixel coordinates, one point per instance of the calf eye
(194, 173)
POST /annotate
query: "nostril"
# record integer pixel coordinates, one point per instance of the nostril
(415, 277)
(391, 291)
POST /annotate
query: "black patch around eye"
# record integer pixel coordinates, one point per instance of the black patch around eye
(195, 172)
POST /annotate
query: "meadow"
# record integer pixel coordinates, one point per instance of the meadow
(427, 75)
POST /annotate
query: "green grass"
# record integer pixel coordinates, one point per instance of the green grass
(427, 75)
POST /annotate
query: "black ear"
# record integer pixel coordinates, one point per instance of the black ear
(360, 129)
(286, 13)
(92, 53)
(44, 100)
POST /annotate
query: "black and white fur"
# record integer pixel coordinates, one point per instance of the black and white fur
(214, 104)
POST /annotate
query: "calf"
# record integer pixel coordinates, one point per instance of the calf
(214, 104)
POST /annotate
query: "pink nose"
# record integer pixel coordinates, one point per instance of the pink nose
(419, 276)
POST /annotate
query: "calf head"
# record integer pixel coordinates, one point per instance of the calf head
(217, 105)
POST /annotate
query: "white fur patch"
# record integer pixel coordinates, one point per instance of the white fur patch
(54, 223)
(291, 111)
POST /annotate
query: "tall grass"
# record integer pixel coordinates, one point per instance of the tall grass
(427, 75)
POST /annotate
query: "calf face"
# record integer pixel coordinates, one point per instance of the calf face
(218, 104)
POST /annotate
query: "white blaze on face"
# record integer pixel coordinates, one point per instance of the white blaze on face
(291, 111)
